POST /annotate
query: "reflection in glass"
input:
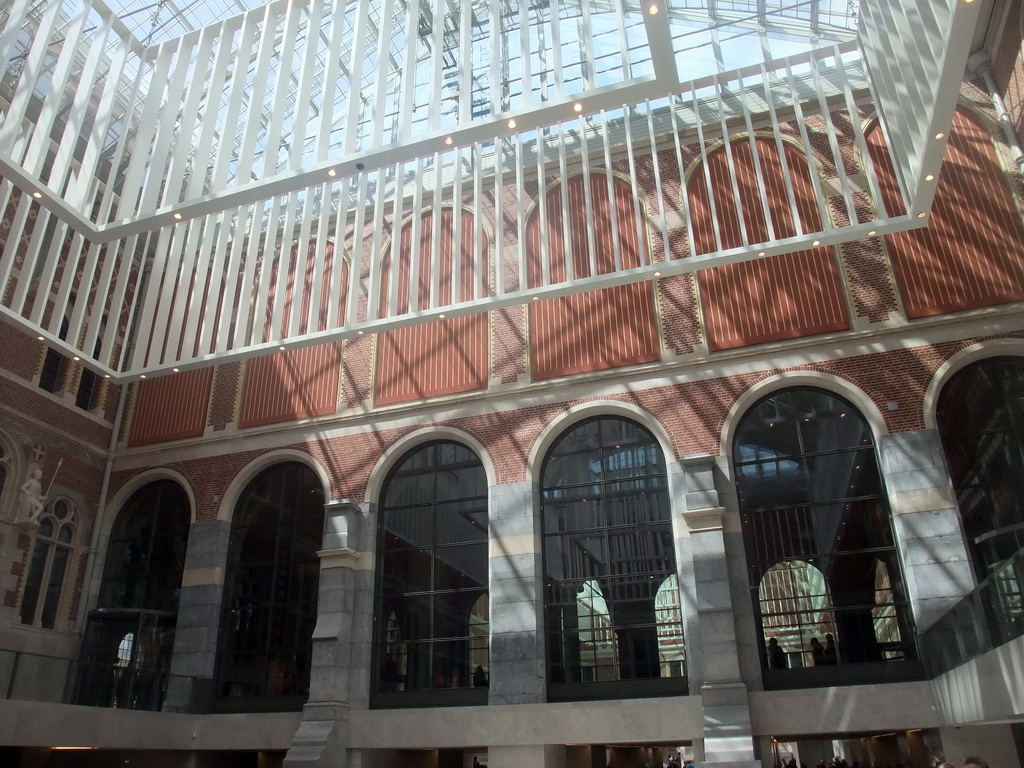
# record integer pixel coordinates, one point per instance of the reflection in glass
(271, 587)
(612, 596)
(818, 534)
(980, 416)
(433, 604)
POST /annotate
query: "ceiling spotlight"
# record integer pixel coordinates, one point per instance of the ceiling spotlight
(175, 370)
(449, 140)
(40, 338)
(359, 333)
(577, 107)
(440, 317)
(921, 215)
(37, 195)
(142, 376)
(536, 298)
(940, 135)
(653, 9)
(761, 253)
(657, 274)
(872, 233)
(177, 216)
(816, 243)
(76, 358)
(331, 172)
(929, 177)
(512, 123)
(281, 347)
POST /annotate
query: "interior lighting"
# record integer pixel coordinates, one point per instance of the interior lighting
(656, 274)
(331, 172)
(921, 215)
(175, 370)
(40, 338)
(929, 177)
(512, 123)
(177, 216)
(653, 9)
(449, 140)
(359, 333)
(37, 195)
(440, 317)
(816, 243)
(76, 358)
(577, 107)
(281, 347)
(761, 253)
(142, 376)
(872, 233)
(940, 135)
(536, 298)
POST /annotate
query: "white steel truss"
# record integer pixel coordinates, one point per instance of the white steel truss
(158, 192)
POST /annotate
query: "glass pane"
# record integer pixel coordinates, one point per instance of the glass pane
(53, 587)
(34, 582)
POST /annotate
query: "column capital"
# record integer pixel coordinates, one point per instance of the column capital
(709, 519)
(345, 557)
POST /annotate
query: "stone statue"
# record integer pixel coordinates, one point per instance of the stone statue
(30, 497)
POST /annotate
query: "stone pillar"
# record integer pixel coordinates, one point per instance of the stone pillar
(728, 738)
(532, 755)
(342, 639)
(926, 519)
(199, 617)
(516, 597)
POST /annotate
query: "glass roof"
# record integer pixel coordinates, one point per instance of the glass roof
(154, 22)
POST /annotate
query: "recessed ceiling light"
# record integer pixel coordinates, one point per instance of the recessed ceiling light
(921, 215)
(816, 243)
(761, 253)
(331, 172)
(657, 274)
(281, 347)
(360, 333)
(175, 370)
(512, 123)
(577, 107)
(142, 376)
(872, 233)
(177, 216)
(929, 177)
(536, 298)
(449, 140)
(37, 195)
(76, 358)
(40, 338)
(653, 9)
(940, 135)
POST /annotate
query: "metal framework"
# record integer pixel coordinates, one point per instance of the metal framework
(156, 192)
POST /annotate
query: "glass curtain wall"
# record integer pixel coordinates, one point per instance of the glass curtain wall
(433, 616)
(126, 653)
(980, 416)
(270, 592)
(825, 575)
(613, 618)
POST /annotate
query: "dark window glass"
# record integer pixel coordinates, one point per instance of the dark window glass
(51, 553)
(824, 572)
(433, 615)
(146, 552)
(270, 591)
(981, 419)
(612, 596)
(54, 367)
(88, 388)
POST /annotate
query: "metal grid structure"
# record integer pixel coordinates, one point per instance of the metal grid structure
(156, 192)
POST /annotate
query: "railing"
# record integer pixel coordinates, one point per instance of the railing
(990, 616)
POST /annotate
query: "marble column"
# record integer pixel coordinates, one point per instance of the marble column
(199, 617)
(926, 519)
(727, 734)
(342, 639)
(517, 673)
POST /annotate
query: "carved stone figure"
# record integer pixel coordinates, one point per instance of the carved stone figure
(30, 497)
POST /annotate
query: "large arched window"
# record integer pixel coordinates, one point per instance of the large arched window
(126, 654)
(270, 591)
(824, 570)
(981, 419)
(432, 600)
(44, 602)
(613, 621)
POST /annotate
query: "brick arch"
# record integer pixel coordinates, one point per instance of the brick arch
(442, 357)
(609, 328)
(769, 299)
(970, 254)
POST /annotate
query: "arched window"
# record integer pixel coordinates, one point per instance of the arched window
(126, 653)
(613, 623)
(817, 529)
(146, 552)
(270, 591)
(432, 598)
(980, 416)
(44, 602)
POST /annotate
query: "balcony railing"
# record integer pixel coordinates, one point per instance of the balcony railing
(990, 616)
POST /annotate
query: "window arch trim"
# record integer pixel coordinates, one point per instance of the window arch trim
(964, 358)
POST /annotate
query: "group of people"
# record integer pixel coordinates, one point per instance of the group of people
(822, 654)
(839, 762)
